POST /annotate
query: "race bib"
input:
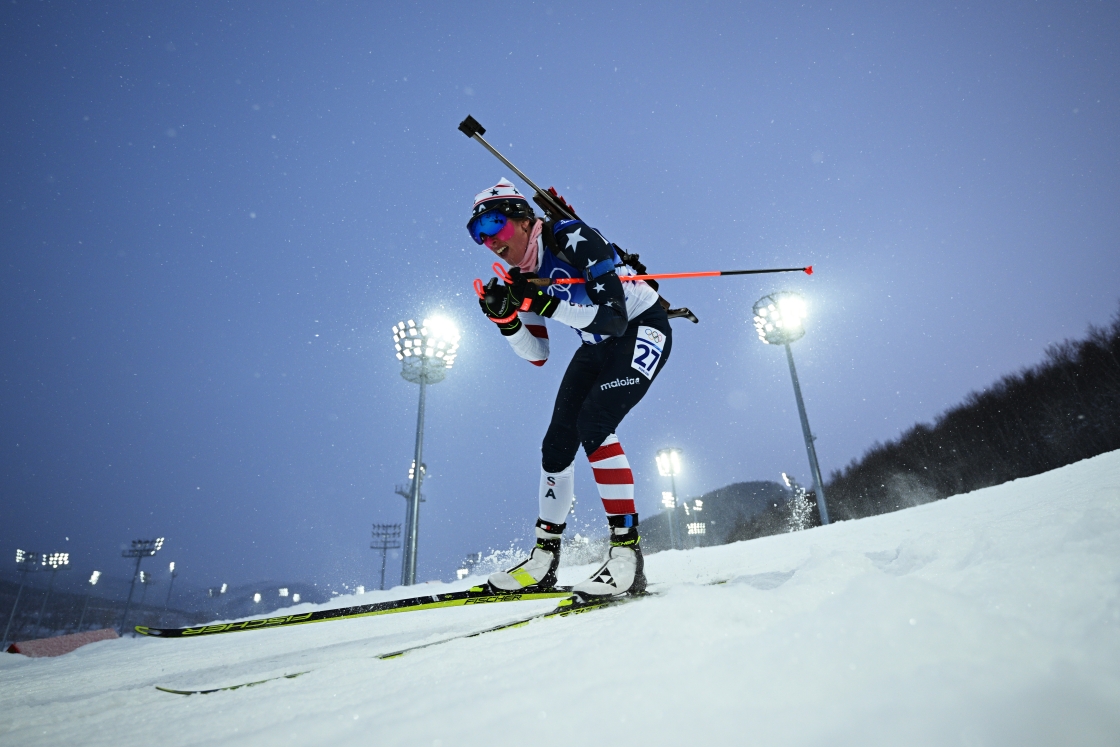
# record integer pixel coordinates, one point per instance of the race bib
(647, 350)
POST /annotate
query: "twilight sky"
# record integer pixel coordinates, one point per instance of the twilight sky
(214, 212)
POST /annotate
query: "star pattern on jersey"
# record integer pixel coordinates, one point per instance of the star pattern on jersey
(573, 240)
(493, 192)
(599, 287)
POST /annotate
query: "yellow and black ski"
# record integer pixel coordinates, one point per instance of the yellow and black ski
(228, 687)
(474, 595)
(573, 605)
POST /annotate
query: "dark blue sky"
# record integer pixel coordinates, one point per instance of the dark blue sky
(213, 213)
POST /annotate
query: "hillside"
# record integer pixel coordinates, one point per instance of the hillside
(991, 618)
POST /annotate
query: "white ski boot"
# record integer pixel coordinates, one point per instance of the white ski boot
(539, 571)
(623, 572)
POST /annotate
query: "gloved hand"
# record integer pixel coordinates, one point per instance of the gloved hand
(500, 306)
(530, 297)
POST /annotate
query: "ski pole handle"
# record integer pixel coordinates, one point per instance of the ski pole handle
(500, 272)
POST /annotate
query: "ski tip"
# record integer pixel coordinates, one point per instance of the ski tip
(809, 270)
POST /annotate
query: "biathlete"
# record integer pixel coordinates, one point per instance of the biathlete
(626, 342)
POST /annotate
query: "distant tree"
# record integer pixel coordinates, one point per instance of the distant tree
(1064, 409)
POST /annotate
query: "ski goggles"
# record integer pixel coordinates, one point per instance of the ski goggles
(486, 224)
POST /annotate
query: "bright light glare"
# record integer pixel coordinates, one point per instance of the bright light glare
(172, 568)
(93, 578)
(667, 499)
(669, 462)
(435, 343)
(295, 598)
(224, 587)
(256, 597)
(778, 318)
(698, 527)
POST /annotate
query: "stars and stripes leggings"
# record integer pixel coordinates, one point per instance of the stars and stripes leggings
(602, 383)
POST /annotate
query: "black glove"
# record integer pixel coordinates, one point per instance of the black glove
(530, 297)
(499, 305)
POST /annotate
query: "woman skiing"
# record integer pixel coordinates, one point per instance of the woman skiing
(626, 341)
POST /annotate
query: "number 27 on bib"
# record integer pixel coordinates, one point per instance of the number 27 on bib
(647, 350)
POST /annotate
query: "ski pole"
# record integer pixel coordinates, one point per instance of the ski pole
(674, 275)
(544, 282)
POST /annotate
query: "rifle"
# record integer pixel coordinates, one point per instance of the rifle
(557, 208)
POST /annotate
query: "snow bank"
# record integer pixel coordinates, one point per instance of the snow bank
(991, 618)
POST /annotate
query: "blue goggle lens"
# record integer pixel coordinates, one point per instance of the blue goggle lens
(486, 224)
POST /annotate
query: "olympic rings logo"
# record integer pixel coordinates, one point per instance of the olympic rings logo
(562, 292)
(654, 336)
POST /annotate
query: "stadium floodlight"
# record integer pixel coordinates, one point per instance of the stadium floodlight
(171, 583)
(426, 352)
(93, 579)
(257, 598)
(386, 537)
(145, 580)
(295, 598)
(140, 549)
(283, 592)
(698, 527)
(779, 319)
(26, 562)
(669, 462)
(55, 562)
(669, 465)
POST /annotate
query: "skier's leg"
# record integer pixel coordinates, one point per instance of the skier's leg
(613, 477)
(557, 472)
(620, 386)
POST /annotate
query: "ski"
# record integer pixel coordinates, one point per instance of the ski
(573, 605)
(228, 687)
(474, 595)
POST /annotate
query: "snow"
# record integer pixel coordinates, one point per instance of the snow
(990, 618)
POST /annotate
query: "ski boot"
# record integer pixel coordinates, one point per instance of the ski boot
(538, 572)
(623, 572)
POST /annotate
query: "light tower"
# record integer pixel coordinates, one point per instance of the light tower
(26, 562)
(779, 320)
(56, 561)
(93, 578)
(669, 465)
(427, 353)
(140, 549)
(170, 584)
(385, 537)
